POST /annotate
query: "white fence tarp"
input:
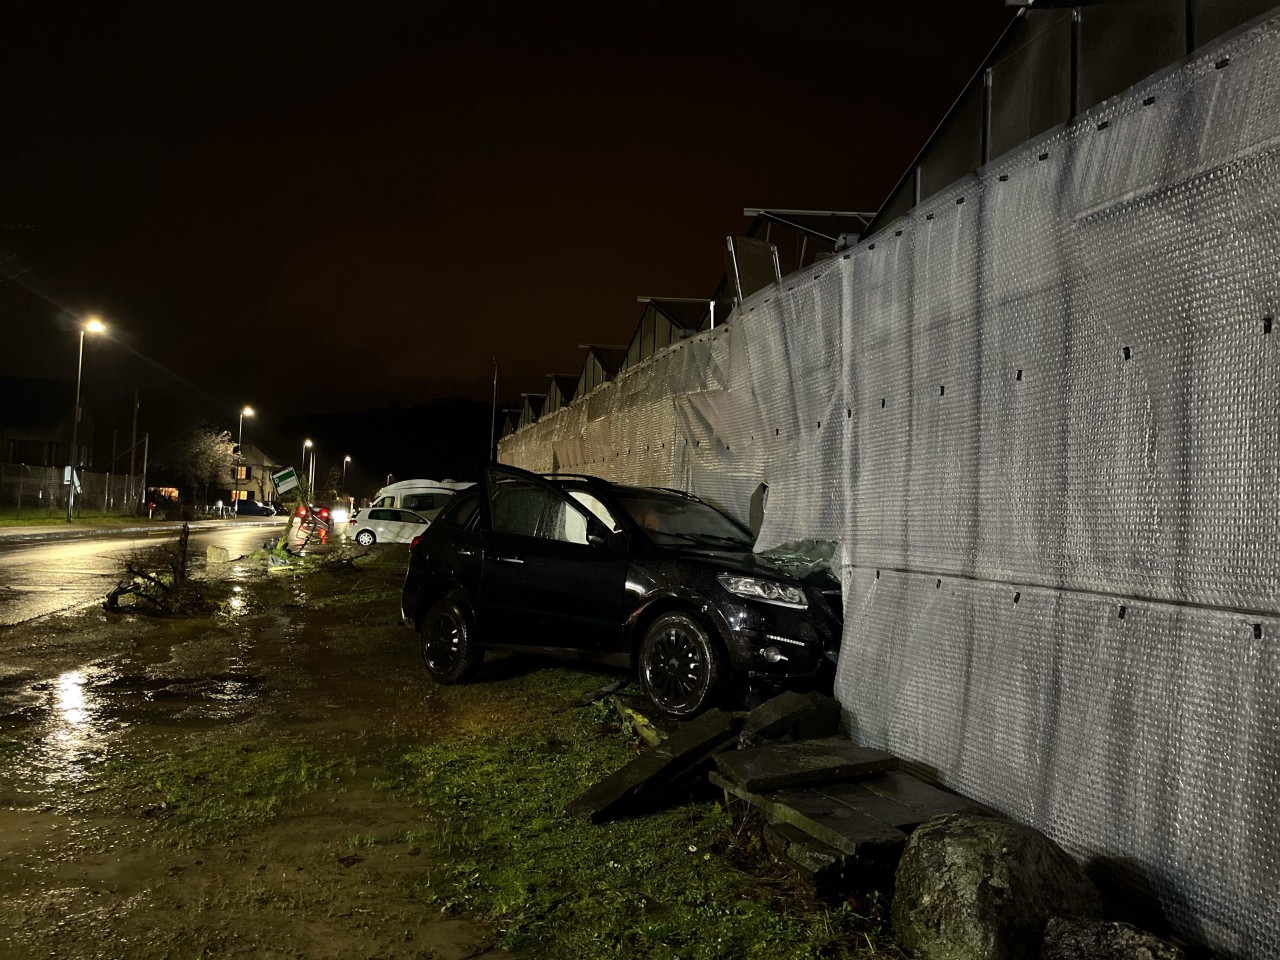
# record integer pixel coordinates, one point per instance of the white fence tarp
(1041, 415)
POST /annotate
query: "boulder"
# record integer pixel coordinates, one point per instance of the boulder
(217, 555)
(983, 888)
(1074, 939)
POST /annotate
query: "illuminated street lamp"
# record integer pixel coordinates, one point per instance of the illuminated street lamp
(345, 461)
(307, 445)
(91, 325)
(246, 412)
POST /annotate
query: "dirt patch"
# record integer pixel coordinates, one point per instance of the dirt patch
(95, 862)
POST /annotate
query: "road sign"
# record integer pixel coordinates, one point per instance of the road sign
(285, 480)
(70, 477)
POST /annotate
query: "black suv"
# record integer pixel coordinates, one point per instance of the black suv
(651, 579)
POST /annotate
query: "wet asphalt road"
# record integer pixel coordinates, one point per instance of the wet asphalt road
(37, 579)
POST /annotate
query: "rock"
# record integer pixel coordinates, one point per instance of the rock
(680, 755)
(983, 888)
(217, 555)
(1074, 939)
(772, 766)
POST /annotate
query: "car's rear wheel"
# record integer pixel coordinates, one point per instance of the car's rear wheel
(365, 538)
(449, 650)
(682, 669)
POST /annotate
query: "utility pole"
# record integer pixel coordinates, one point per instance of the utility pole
(133, 445)
(493, 414)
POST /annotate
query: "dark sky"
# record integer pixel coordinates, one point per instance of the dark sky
(315, 207)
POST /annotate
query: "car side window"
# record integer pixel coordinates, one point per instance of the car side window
(407, 516)
(527, 510)
(461, 512)
(420, 501)
(384, 502)
(382, 514)
(592, 503)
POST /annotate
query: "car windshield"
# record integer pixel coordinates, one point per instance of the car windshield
(672, 519)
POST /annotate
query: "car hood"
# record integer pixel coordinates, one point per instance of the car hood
(736, 561)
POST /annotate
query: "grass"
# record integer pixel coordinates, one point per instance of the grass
(41, 516)
(662, 885)
(221, 790)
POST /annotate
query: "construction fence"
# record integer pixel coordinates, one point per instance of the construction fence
(39, 492)
(1041, 416)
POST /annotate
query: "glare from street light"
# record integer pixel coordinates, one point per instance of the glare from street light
(247, 412)
(346, 459)
(307, 443)
(94, 325)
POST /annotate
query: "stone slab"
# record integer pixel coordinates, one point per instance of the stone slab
(652, 772)
(774, 766)
(815, 863)
(901, 787)
(858, 797)
(851, 832)
(217, 555)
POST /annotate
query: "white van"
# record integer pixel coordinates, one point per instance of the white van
(424, 497)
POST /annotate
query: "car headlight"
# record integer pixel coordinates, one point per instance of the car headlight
(770, 591)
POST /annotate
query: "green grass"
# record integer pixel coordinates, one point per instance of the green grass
(40, 517)
(660, 885)
(217, 791)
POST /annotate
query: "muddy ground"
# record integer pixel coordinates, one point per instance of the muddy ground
(307, 678)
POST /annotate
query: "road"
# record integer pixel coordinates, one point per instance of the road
(37, 579)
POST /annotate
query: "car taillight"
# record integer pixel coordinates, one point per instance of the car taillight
(413, 544)
(323, 513)
(302, 511)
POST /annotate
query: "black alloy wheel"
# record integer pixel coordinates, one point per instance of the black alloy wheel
(449, 651)
(682, 670)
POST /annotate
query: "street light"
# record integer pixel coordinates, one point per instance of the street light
(246, 412)
(345, 461)
(91, 325)
(306, 445)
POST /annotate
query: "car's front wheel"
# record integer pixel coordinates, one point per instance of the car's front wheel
(365, 538)
(449, 649)
(682, 669)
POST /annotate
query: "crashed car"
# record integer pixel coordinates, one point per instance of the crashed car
(651, 579)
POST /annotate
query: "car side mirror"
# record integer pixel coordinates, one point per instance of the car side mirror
(597, 539)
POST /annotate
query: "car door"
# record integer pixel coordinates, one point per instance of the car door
(551, 574)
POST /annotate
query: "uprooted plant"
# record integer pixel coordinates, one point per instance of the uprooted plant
(159, 581)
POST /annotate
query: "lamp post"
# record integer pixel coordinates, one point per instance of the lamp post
(246, 412)
(345, 461)
(91, 325)
(307, 445)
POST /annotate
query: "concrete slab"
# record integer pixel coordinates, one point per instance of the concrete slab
(773, 766)
(872, 842)
(858, 797)
(901, 787)
(683, 754)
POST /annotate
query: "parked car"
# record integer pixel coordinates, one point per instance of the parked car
(424, 497)
(655, 580)
(253, 508)
(381, 525)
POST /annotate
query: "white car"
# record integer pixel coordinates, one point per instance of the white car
(384, 525)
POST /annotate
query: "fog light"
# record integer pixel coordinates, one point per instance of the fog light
(773, 655)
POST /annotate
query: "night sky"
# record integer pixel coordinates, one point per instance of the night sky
(318, 208)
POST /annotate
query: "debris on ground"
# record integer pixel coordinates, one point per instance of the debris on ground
(792, 716)
(591, 696)
(159, 581)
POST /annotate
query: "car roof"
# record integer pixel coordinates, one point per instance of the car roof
(587, 481)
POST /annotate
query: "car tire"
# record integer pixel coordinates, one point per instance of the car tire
(447, 643)
(366, 538)
(682, 669)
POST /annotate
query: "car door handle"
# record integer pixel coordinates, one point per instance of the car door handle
(466, 553)
(509, 559)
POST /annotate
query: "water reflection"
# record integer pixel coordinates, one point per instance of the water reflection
(74, 737)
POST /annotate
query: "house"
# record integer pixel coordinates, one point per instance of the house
(36, 423)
